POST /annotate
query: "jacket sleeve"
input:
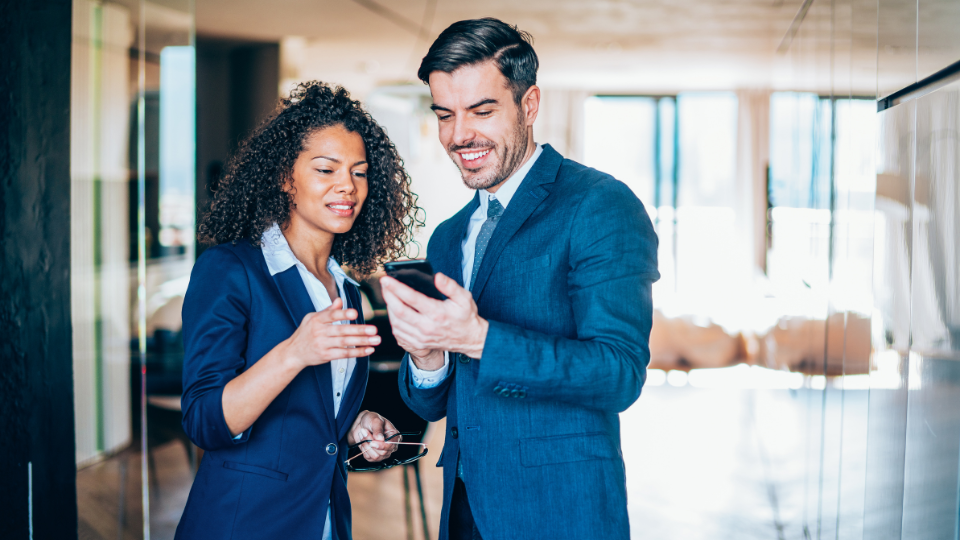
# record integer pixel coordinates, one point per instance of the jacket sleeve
(216, 312)
(429, 403)
(613, 264)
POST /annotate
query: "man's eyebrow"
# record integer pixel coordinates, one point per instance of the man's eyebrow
(480, 103)
(335, 160)
(487, 101)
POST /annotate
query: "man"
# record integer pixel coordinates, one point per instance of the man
(543, 338)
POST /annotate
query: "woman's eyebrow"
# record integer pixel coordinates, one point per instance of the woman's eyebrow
(335, 160)
(360, 163)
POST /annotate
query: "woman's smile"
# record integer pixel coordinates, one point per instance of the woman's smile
(342, 208)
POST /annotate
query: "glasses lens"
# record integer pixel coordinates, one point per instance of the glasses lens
(402, 454)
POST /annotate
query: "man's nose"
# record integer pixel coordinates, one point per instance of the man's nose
(463, 132)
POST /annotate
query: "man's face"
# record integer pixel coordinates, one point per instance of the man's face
(485, 132)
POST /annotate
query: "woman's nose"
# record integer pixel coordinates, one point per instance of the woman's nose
(345, 183)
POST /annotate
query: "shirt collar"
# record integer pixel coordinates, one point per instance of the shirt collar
(279, 256)
(509, 188)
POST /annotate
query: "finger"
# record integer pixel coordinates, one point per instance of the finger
(336, 330)
(453, 290)
(410, 334)
(337, 354)
(408, 296)
(328, 316)
(345, 342)
(402, 311)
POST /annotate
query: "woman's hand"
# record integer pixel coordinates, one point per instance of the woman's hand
(319, 339)
(370, 426)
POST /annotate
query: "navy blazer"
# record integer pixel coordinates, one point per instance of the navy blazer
(566, 287)
(276, 480)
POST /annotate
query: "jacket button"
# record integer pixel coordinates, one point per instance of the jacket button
(453, 431)
(497, 389)
(464, 359)
(332, 449)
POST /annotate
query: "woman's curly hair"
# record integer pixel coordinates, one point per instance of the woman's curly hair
(251, 196)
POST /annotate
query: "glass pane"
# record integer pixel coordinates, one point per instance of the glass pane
(890, 326)
(930, 499)
(167, 209)
(897, 45)
(103, 282)
(706, 218)
(938, 38)
(619, 139)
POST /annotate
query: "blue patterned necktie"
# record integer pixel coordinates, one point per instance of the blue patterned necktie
(494, 211)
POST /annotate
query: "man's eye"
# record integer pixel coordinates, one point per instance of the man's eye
(484, 113)
(443, 117)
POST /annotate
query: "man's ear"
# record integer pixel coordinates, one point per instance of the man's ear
(531, 105)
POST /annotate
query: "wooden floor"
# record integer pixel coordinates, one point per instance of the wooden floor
(110, 505)
(701, 464)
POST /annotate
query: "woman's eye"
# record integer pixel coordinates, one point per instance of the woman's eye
(360, 174)
(324, 171)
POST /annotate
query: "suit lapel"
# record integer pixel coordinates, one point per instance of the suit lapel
(528, 197)
(353, 394)
(295, 296)
(447, 254)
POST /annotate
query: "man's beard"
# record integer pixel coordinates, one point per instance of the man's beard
(513, 151)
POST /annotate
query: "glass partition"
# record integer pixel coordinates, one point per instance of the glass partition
(132, 235)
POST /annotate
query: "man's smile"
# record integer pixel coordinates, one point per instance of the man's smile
(474, 158)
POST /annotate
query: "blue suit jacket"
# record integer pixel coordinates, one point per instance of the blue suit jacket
(276, 480)
(566, 287)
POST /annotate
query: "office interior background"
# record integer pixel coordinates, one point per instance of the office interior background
(800, 161)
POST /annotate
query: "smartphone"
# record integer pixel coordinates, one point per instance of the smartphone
(416, 274)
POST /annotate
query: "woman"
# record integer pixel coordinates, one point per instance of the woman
(273, 372)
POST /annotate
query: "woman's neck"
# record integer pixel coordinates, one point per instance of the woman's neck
(311, 247)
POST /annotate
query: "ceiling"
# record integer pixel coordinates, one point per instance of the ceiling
(653, 46)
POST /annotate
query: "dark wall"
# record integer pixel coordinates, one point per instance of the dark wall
(236, 89)
(36, 369)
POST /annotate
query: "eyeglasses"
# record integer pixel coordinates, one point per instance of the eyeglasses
(402, 456)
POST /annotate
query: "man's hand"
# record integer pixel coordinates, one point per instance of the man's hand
(370, 426)
(425, 327)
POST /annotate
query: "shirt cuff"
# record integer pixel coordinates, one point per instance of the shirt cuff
(429, 379)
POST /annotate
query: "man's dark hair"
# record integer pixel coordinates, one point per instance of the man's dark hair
(467, 43)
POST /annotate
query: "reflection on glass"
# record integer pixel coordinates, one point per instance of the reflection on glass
(932, 456)
(100, 272)
(168, 211)
(883, 504)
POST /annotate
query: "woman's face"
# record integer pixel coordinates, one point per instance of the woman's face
(329, 181)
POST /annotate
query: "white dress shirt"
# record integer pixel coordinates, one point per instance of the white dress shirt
(431, 379)
(279, 258)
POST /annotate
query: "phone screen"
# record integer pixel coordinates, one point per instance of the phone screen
(416, 274)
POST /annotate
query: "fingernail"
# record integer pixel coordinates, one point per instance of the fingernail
(369, 350)
(371, 331)
(375, 340)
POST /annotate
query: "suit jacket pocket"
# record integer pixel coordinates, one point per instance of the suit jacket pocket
(567, 448)
(253, 469)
